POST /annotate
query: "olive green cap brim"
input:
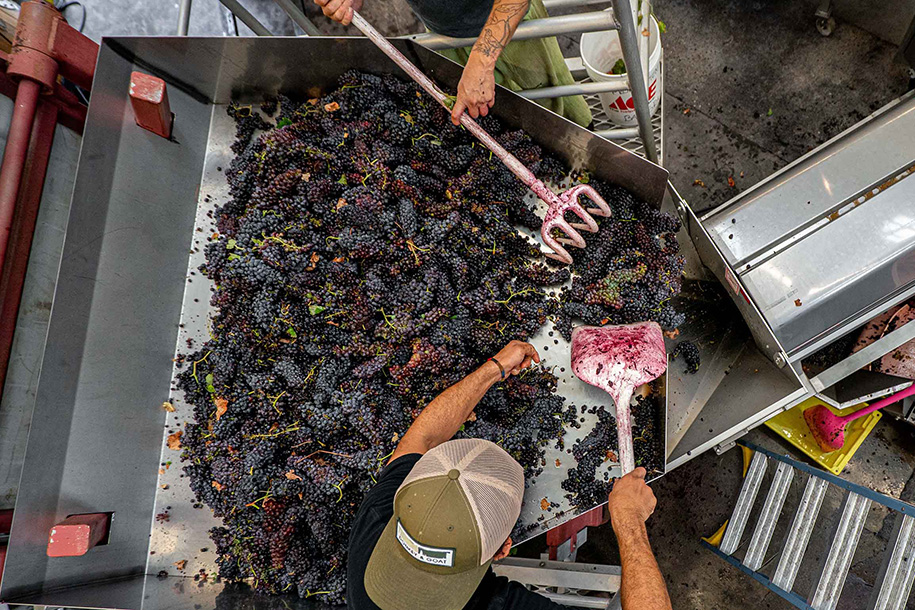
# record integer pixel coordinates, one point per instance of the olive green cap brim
(393, 581)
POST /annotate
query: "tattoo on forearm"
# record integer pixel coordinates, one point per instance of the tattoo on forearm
(499, 27)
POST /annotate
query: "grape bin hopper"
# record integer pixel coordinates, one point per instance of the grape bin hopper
(96, 442)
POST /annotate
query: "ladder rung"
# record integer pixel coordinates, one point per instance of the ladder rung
(745, 500)
(799, 534)
(771, 510)
(891, 591)
(845, 541)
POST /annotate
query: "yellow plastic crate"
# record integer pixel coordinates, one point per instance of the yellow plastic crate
(791, 426)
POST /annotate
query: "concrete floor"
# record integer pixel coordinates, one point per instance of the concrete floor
(751, 86)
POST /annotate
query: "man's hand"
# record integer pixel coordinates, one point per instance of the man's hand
(476, 93)
(631, 501)
(442, 418)
(517, 356)
(339, 10)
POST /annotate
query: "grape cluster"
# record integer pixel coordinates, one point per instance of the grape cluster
(366, 259)
(690, 353)
(630, 270)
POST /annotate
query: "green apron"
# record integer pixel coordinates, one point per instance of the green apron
(532, 64)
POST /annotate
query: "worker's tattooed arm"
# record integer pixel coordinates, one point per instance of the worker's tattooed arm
(499, 28)
(477, 90)
(444, 416)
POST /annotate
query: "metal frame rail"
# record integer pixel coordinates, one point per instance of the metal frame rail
(623, 18)
(894, 581)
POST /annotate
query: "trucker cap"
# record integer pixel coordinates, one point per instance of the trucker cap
(452, 513)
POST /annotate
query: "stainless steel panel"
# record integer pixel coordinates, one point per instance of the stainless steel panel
(97, 423)
(851, 264)
(714, 259)
(184, 536)
(565, 574)
(808, 190)
(753, 391)
(742, 387)
(863, 357)
(828, 242)
(222, 69)
(862, 386)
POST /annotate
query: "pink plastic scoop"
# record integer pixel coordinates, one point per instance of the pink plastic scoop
(618, 359)
(558, 204)
(829, 429)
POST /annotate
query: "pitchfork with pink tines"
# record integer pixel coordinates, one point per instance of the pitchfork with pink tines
(558, 204)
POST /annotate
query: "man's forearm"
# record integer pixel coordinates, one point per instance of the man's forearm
(500, 27)
(643, 586)
(444, 416)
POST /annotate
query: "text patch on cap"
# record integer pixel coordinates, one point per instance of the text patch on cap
(421, 552)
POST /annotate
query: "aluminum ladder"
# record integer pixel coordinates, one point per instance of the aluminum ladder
(894, 581)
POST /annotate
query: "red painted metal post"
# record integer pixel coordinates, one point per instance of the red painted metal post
(45, 47)
(557, 536)
(12, 277)
(17, 144)
(6, 521)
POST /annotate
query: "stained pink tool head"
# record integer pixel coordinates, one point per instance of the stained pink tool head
(829, 429)
(554, 219)
(618, 359)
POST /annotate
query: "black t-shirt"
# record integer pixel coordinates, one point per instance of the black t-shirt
(494, 592)
(456, 18)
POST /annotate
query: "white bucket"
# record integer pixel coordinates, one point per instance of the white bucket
(600, 51)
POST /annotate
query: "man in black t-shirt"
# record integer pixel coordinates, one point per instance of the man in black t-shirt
(442, 511)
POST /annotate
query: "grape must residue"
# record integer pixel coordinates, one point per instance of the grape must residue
(368, 258)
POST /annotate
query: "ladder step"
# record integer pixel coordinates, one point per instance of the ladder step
(771, 511)
(799, 534)
(891, 591)
(745, 500)
(845, 541)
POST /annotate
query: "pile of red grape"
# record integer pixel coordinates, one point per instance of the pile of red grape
(367, 259)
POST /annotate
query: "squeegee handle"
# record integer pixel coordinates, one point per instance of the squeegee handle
(511, 162)
(624, 430)
(884, 402)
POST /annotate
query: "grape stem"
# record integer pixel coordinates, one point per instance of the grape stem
(196, 362)
(346, 455)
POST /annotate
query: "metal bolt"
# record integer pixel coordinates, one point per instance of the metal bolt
(779, 360)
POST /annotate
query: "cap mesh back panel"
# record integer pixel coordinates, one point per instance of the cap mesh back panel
(494, 484)
(430, 465)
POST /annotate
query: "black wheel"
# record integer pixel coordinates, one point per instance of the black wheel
(826, 25)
